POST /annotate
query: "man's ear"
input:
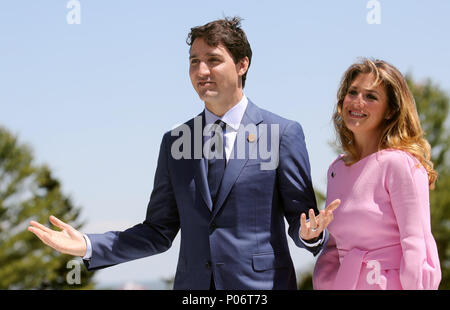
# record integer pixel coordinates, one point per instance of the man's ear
(242, 66)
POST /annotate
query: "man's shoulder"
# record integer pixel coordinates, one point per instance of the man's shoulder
(267, 116)
(190, 125)
(273, 118)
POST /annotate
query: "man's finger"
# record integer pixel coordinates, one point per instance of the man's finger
(34, 230)
(40, 226)
(39, 233)
(58, 223)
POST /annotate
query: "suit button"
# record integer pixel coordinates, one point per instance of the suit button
(213, 226)
(208, 264)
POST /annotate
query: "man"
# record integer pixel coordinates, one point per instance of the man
(228, 199)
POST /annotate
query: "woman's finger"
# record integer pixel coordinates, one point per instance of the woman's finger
(333, 205)
(328, 218)
(312, 220)
(303, 225)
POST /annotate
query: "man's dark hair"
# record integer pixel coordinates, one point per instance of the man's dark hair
(229, 33)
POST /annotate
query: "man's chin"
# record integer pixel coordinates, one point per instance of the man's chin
(209, 96)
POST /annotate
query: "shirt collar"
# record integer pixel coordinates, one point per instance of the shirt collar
(232, 117)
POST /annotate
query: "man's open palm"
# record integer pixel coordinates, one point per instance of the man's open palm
(68, 240)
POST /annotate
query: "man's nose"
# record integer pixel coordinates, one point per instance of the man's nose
(203, 69)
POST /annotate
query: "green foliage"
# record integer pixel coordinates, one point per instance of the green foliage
(30, 192)
(433, 105)
(320, 199)
(305, 281)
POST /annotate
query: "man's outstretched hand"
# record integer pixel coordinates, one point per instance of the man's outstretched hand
(67, 241)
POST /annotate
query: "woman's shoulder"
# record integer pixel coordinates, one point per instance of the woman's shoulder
(391, 158)
(338, 160)
(389, 155)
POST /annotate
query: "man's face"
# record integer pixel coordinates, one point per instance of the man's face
(213, 73)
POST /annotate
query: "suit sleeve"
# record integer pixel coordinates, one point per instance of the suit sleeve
(408, 189)
(153, 236)
(294, 180)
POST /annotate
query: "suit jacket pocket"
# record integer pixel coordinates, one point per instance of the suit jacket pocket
(267, 261)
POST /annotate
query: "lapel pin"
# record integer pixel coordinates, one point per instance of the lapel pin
(251, 137)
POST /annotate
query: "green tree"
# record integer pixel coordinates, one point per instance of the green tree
(433, 105)
(30, 192)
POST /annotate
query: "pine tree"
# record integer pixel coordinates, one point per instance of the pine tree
(30, 192)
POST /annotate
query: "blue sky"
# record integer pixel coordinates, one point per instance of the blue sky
(93, 100)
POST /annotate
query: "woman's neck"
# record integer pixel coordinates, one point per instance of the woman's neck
(367, 144)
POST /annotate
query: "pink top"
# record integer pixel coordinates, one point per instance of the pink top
(380, 237)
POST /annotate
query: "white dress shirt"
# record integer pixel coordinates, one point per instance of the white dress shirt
(233, 118)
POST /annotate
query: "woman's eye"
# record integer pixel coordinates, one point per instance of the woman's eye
(371, 97)
(352, 92)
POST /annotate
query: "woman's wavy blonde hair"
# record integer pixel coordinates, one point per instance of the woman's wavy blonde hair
(401, 130)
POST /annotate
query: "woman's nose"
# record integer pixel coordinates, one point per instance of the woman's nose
(359, 101)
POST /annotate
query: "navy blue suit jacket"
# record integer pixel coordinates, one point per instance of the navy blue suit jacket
(241, 239)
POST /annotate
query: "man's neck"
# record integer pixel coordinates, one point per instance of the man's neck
(220, 108)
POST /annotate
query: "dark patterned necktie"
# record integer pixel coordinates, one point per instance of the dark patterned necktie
(216, 164)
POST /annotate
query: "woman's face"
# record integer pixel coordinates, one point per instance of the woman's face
(365, 106)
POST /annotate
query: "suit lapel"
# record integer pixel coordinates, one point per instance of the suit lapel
(252, 116)
(201, 181)
(200, 174)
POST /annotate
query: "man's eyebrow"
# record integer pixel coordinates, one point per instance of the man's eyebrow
(208, 54)
(214, 54)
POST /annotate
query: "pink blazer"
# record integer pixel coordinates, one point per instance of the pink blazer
(380, 237)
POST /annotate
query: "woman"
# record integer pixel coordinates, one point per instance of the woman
(380, 237)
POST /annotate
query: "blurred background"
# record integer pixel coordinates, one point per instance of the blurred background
(88, 88)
